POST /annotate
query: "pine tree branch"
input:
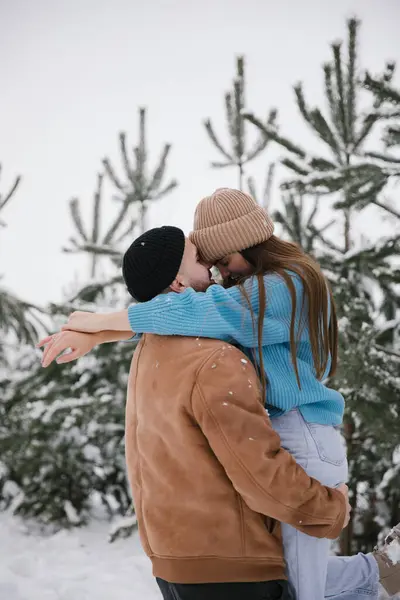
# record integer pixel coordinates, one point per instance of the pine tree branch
(129, 199)
(258, 147)
(268, 186)
(366, 128)
(313, 212)
(322, 128)
(263, 140)
(386, 114)
(238, 140)
(386, 247)
(328, 243)
(112, 175)
(318, 123)
(96, 208)
(342, 117)
(16, 317)
(330, 94)
(382, 90)
(11, 192)
(353, 25)
(229, 115)
(362, 191)
(92, 290)
(160, 170)
(387, 208)
(142, 143)
(327, 225)
(319, 183)
(278, 217)
(271, 132)
(321, 164)
(384, 157)
(129, 172)
(301, 103)
(77, 218)
(168, 188)
(98, 249)
(379, 87)
(296, 167)
(221, 165)
(392, 136)
(139, 182)
(388, 351)
(213, 137)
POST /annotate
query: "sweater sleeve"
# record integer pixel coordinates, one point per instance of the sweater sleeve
(231, 416)
(221, 313)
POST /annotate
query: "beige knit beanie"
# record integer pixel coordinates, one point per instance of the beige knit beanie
(229, 221)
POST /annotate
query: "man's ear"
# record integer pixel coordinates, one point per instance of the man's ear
(177, 285)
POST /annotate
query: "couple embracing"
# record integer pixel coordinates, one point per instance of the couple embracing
(233, 446)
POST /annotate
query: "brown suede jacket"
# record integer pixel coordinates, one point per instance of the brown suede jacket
(209, 479)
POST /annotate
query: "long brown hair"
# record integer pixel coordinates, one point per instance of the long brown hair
(278, 256)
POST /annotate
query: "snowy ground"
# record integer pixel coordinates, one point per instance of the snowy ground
(75, 565)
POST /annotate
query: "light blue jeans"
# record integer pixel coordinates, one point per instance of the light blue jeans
(312, 571)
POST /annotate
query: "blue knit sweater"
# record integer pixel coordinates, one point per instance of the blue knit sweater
(224, 314)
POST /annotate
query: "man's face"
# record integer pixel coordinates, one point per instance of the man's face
(193, 272)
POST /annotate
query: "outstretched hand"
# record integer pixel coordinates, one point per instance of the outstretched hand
(55, 345)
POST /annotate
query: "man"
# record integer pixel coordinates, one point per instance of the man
(207, 472)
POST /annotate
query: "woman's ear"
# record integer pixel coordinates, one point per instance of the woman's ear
(177, 285)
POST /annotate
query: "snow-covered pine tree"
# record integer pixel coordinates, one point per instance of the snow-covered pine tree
(239, 153)
(355, 175)
(62, 437)
(62, 428)
(388, 98)
(297, 221)
(92, 242)
(140, 185)
(368, 377)
(349, 168)
(19, 320)
(369, 365)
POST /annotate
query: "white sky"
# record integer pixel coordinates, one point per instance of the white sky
(73, 74)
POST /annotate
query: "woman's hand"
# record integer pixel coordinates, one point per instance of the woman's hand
(85, 322)
(345, 491)
(88, 322)
(78, 343)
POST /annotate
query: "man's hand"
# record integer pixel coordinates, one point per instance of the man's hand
(343, 489)
(87, 322)
(79, 344)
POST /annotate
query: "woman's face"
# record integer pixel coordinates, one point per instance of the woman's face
(234, 265)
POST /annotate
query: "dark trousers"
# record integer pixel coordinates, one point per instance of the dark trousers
(264, 590)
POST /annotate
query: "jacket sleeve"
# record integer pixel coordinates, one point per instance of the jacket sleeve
(221, 313)
(227, 405)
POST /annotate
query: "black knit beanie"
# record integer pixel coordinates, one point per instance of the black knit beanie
(152, 262)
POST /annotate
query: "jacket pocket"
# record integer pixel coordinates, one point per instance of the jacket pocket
(329, 443)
